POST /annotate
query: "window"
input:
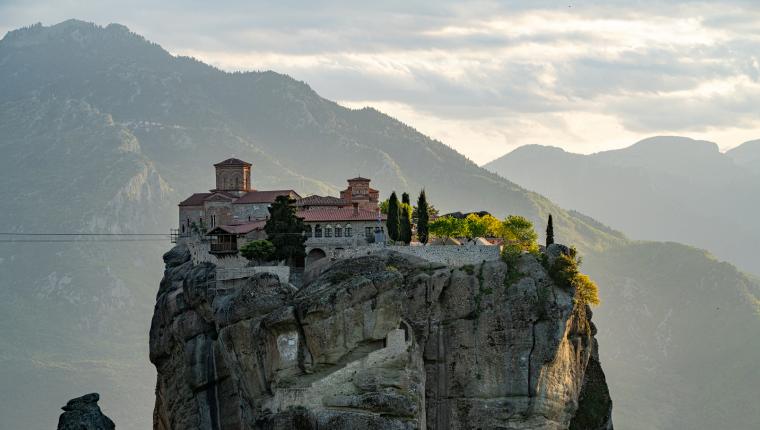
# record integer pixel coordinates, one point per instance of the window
(338, 231)
(328, 231)
(348, 230)
(307, 231)
(317, 230)
(368, 231)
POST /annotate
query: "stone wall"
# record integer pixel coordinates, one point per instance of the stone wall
(199, 252)
(450, 255)
(250, 211)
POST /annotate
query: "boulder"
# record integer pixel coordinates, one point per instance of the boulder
(83, 413)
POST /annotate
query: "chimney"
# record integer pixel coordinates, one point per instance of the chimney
(356, 208)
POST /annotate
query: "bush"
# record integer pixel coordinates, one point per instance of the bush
(565, 272)
(258, 250)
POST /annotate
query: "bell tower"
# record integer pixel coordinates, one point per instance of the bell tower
(233, 176)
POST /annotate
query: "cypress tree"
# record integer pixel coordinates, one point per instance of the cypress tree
(285, 230)
(550, 231)
(405, 224)
(393, 217)
(405, 199)
(422, 217)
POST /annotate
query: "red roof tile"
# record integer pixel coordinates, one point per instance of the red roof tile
(232, 162)
(321, 201)
(196, 199)
(338, 214)
(264, 196)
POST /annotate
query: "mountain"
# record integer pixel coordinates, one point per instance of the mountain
(662, 188)
(747, 155)
(103, 131)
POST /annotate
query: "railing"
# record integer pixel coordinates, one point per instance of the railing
(223, 248)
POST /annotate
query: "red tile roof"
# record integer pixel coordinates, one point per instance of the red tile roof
(321, 201)
(264, 196)
(338, 214)
(196, 199)
(358, 179)
(243, 228)
(232, 162)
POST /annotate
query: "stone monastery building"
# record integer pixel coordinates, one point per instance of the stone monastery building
(234, 213)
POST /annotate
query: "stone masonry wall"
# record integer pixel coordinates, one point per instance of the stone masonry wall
(449, 255)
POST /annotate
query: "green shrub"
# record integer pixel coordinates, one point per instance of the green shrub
(565, 272)
(258, 250)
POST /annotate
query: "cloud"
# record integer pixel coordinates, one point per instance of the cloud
(579, 74)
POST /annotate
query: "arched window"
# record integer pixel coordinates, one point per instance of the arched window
(317, 230)
(348, 231)
(328, 231)
(338, 231)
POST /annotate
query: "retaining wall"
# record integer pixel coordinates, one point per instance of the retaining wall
(451, 255)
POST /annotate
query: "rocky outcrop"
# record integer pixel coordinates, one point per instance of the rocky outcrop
(83, 413)
(378, 342)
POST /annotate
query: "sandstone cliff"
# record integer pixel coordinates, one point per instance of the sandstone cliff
(377, 342)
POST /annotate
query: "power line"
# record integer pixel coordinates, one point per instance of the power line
(77, 240)
(84, 234)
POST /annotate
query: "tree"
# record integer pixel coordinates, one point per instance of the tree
(423, 217)
(475, 227)
(405, 224)
(285, 230)
(405, 199)
(258, 250)
(448, 226)
(393, 217)
(549, 231)
(518, 235)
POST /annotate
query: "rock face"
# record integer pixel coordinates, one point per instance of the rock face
(83, 413)
(378, 342)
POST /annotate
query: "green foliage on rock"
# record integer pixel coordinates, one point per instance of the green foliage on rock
(565, 272)
(285, 230)
(258, 250)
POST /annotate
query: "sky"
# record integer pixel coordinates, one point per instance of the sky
(483, 77)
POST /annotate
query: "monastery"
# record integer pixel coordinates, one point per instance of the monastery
(234, 213)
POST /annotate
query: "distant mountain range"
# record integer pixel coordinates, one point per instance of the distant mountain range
(103, 131)
(662, 188)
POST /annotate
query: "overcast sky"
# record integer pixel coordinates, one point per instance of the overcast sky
(483, 77)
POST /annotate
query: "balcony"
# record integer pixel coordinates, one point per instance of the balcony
(223, 248)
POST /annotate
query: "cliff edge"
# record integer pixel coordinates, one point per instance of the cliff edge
(378, 342)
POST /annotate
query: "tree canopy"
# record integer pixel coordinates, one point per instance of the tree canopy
(550, 231)
(258, 250)
(285, 230)
(393, 223)
(423, 217)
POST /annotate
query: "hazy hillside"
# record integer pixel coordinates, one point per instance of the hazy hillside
(663, 188)
(747, 155)
(104, 131)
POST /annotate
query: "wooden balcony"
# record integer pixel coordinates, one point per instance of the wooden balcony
(223, 248)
